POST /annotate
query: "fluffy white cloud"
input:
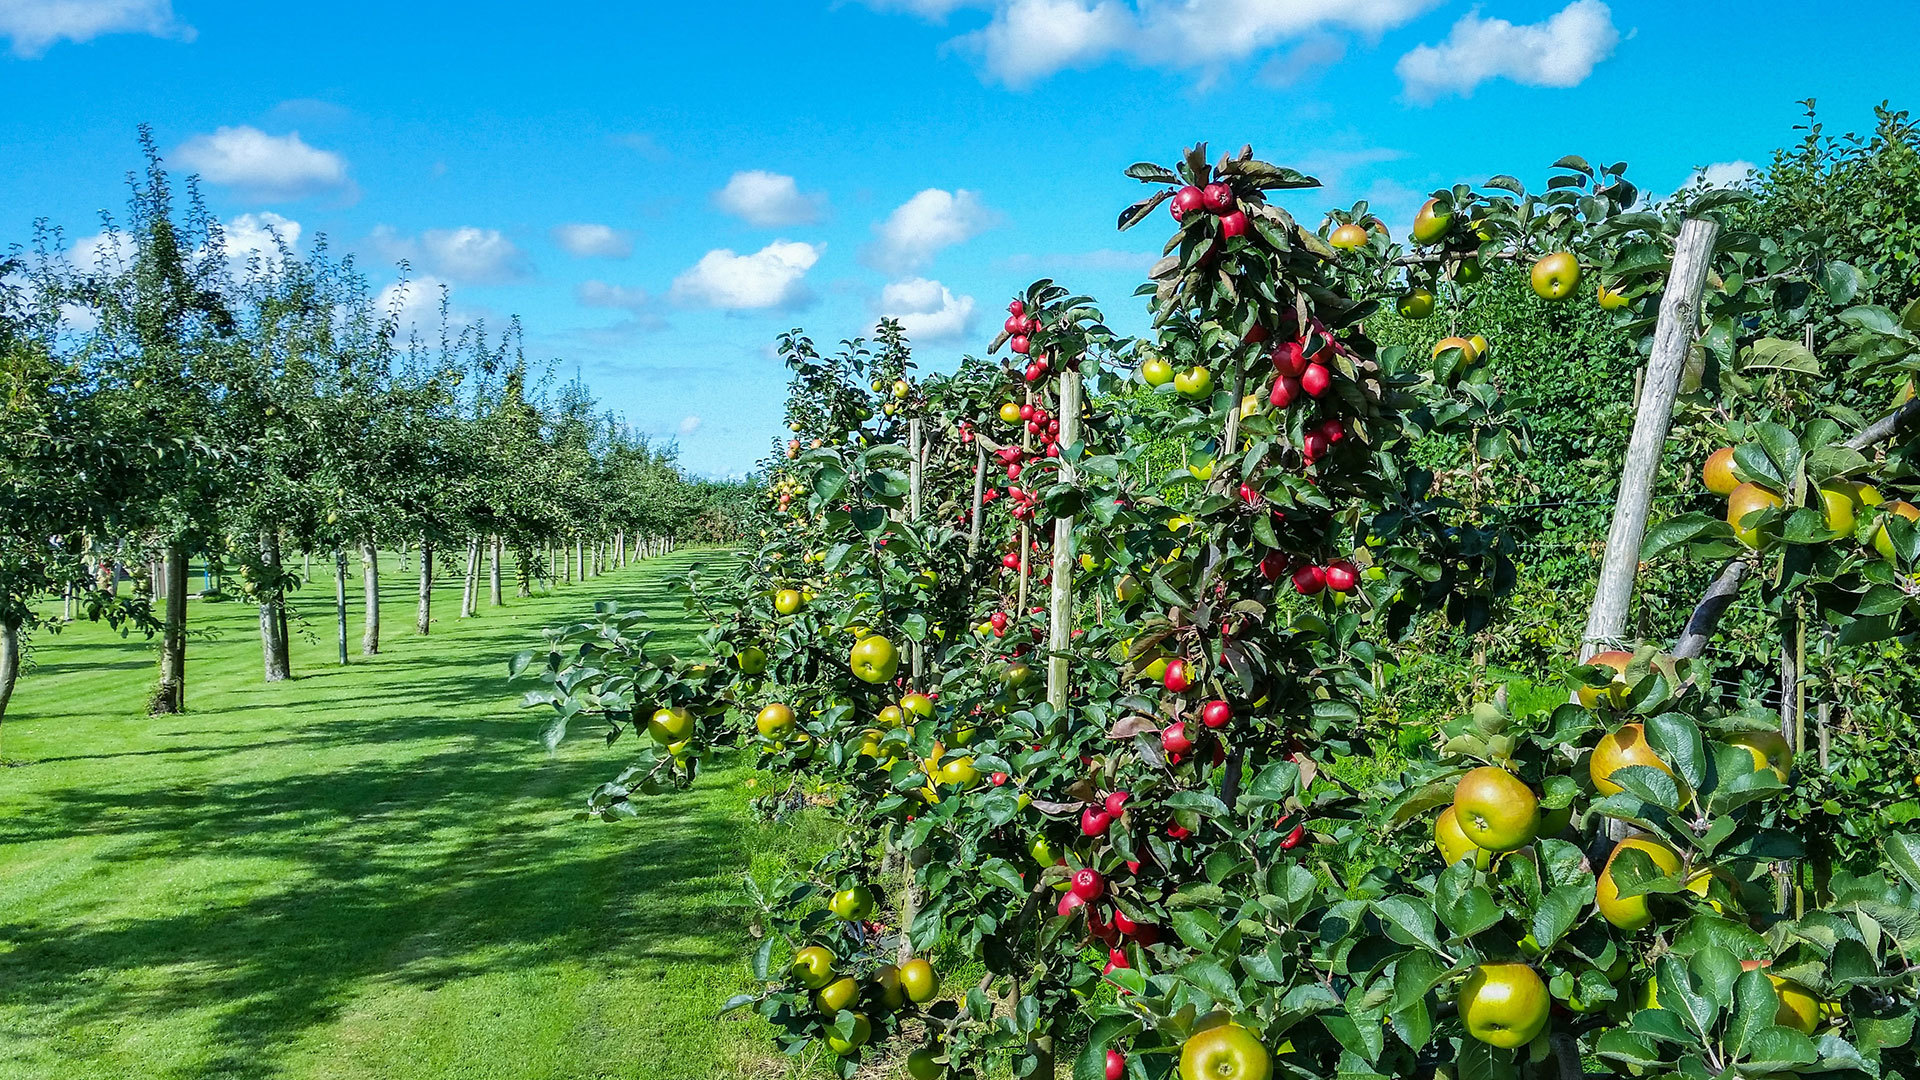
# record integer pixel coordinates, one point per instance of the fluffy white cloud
(927, 310)
(920, 227)
(33, 26)
(1561, 51)
(100, 253)
(689, 425)
(587, 240)
(768, 199)
(473, 254)
(415, 305)
(469, 255)
(254, 234)
(1721, 174)
(1027, 40)
(266, 166)
(772, 277)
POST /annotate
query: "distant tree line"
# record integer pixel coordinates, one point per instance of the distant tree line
(166, 399)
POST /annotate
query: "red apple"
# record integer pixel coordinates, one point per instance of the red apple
(1286, 390)
(1014, 325)
(1342, 576)
(1116, 1065)
(1174, 739)
(1272, 565)
(1020, 344)
(1309, 580)
(1216, 714)
(1115, 802)
(1017, 307)
(1177, 677)
(1187, 200)
(1234, 224)
(1334, 430)
(1288, 359)
(1116, 958)
(1088, 884)
(1095, 821)
(1314, 445)
(1069, 903)
(1293, 838)
(1217, 198)
(1316, 379)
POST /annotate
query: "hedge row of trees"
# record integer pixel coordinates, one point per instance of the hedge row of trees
(170, 399)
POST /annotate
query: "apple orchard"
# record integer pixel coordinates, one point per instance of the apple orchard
(1080, 648)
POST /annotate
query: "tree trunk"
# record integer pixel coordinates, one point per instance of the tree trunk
(273, 643)
(523, 573)
(340, 600)
(423, 615)
(470, 587)
(171, 695)
(9, 665)
(157, 578)
(620, 548)
(493, 573)
(370, 575)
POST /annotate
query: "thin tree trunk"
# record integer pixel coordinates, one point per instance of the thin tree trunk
(620, 546)
(171, 696)
(340, 599)
(370, 575)
(470, 582)
(273, 647)
(523, 573)
(157, 578)
(493, 573)
(423, 615)
(9, 665)
(580, 558)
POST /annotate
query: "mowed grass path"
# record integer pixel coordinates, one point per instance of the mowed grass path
(368, 872)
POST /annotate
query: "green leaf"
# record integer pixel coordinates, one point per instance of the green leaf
(1412, 919)
(1092, 1062)
(1755, 1003)
(1466, 907)
(1779, 354)
(1840, 280)
(1681, 529)
(1903, 854)
(1676, 739)
(1558, 911)
(1676, 993)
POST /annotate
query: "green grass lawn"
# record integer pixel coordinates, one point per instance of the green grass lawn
(366, 872)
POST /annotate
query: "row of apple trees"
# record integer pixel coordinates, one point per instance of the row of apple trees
(1098, 731)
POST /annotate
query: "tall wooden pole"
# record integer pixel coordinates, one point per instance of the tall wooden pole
(915, 474)
(1673, 337)
(1060, 626)
(979, 497)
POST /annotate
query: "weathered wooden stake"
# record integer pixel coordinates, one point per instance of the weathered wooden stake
(1060, 627)
(1673, 337)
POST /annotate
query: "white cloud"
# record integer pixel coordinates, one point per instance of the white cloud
(473, 254)
(689, 425)
(415, 305)
(1561, 51)
(267, 166)
(468, 255)
(1031, 39)
(587, 240)
(33, 26)
(602, 295)
(1721, 174)
(772, 277)
(926, 223)
(253, 234)
(769, 200)
(101, 253)
(927, 310)
(1028, 40)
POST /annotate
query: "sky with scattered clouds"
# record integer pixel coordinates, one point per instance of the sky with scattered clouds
(658, 194)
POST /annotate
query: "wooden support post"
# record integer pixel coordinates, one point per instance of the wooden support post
(979, 497)
(1060, 626)
(1672, 339)
(915, 477)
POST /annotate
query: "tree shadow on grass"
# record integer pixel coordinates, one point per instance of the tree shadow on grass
(394, 884)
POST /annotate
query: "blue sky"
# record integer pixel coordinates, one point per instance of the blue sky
(658, 190)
